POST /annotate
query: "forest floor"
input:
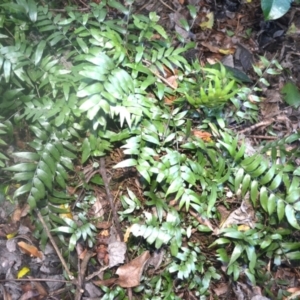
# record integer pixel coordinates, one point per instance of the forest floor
(228, 31)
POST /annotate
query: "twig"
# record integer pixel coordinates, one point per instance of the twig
(64, 10)
(63, 262)
(166, 5)
(101, 270)
(102, 171)
(157, 75)
(81, 274)
(263, 137)
(35, 279)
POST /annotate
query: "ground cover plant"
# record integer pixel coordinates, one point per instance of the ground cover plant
(101, 104)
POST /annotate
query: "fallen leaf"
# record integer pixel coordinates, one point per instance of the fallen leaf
(203, 135)
(116, 252)
(23, 272)
(68, 213)
(244, 215)
(130, 274)
(209, 23)
(172, 80)
(127, 234)
(30, 249)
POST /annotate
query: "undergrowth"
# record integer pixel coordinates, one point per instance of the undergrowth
(82, 84)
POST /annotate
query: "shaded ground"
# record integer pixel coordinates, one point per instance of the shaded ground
(235, 34)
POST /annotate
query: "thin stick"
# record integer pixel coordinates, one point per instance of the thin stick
(263, 137)
(166, 5)
(81, 274)
(158, 76)
(63, 262)
(102, 171)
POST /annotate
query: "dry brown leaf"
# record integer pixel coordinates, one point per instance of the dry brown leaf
(30, 249)
(127, 234)
(221, 289)
(130, 274)
(172, 80)
(203, 135)
(210, 47)
(169, 100)
(16, 216)
(244, 215)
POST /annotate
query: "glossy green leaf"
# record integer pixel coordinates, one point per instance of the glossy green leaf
(276, 182)
(22, 167)
(293, 195)
(27, 155)
(293, 255)
(263, 197)
(7, 70)
(86, 150)
(236, 253)
(291, 217)
(175, 185)
(254, 191)
(246, 184)
(126, 163)
(274, 9)
(212, 198)
(252, 257)
(22, 190)
(32, 10)
(268, 176)
(82, 45)
(45, 178)
(39, 51)
(280, 209)
(238, 179)
(271, 204)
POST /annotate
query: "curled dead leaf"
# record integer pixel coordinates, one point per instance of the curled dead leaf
(130, 274)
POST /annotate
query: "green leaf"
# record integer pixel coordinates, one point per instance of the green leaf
(291, 217)
(271, 204)
(254, 192)
(82, 45)
(45, 178)
(293, 255)
(27, 155)
(22, 190)
(32, 10)
(212, 198)
(264, 198)
(238, 179)
(63, 229)
(22, 167)
(268, 176)
(280, 209)
(236, 253)
(175, 186)
(23, 176)
(86, 150)
(7, 70)
(39, 51)
(274, 9)
(126, 163)
(291, 94)
(245, 184)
